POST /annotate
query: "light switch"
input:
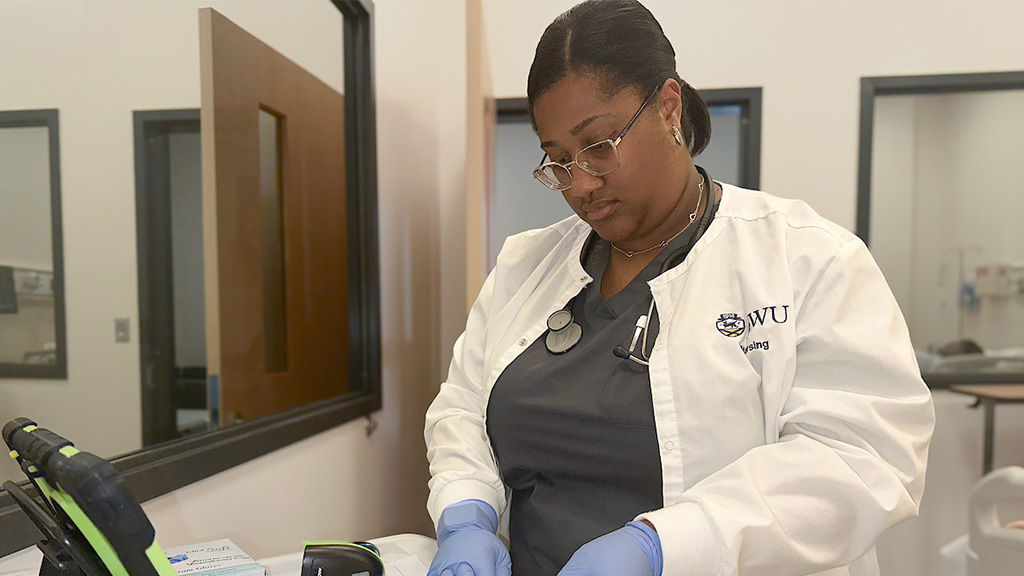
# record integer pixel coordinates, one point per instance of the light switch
(122, 332)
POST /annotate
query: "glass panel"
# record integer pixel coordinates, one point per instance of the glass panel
(271, 202)
(945, 223)
(520, 202)
(27, 304)
(191, 409)
(723, 158)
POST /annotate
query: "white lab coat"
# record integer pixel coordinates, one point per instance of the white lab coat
(788, 444)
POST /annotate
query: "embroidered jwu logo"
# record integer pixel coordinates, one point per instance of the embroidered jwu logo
(731, 325)
(779, 315)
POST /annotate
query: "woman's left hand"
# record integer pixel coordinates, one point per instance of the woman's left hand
(633, 550)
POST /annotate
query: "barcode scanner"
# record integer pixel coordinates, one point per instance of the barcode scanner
(342, 559)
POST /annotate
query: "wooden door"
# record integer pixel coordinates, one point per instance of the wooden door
(274, 227)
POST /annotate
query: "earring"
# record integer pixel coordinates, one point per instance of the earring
(678, 135)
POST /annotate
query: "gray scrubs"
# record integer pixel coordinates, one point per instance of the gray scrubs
(574, 433)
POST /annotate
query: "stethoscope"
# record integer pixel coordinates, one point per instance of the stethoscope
(563, 331)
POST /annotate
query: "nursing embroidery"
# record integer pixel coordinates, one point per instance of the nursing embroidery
(734, 325)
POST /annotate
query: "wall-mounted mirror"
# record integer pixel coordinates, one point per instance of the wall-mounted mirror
(109, 68)
(32, 339)
(939, 205)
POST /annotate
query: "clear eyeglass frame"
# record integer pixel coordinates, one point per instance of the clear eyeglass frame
(598, 159)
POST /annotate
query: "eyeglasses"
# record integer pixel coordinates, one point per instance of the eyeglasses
(598, 159)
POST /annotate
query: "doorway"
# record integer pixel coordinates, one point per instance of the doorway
(169, 224)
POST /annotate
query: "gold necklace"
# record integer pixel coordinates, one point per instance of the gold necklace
(663, 243)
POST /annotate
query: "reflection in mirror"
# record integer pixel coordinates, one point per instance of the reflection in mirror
(172, 333)
(272, 213)
(121, 396)
(945, 206)
(31, 301)
(99, 63)
(274, 216)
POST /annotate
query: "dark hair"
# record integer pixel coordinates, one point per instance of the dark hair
(967, 346)
(619, 43)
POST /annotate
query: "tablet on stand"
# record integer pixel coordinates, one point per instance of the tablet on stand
(90, 522)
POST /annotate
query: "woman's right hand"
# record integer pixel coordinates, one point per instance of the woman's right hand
(467, 544)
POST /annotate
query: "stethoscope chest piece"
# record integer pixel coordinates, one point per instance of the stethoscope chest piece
(563, 333)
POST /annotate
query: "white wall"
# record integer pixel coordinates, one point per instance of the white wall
(443, 91)
(363, 486)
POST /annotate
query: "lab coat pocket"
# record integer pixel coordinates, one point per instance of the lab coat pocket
(627, 401)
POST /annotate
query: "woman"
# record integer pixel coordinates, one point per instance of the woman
(686, 378)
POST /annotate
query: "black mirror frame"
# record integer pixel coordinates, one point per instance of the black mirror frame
(50, 120)
(166, 467)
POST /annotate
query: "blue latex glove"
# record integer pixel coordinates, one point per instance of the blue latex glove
(633, 550)
(467, 544)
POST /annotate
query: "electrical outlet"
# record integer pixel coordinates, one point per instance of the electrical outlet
(122, 331)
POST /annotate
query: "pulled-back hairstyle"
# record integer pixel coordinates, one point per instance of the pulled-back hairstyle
(621, 45)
